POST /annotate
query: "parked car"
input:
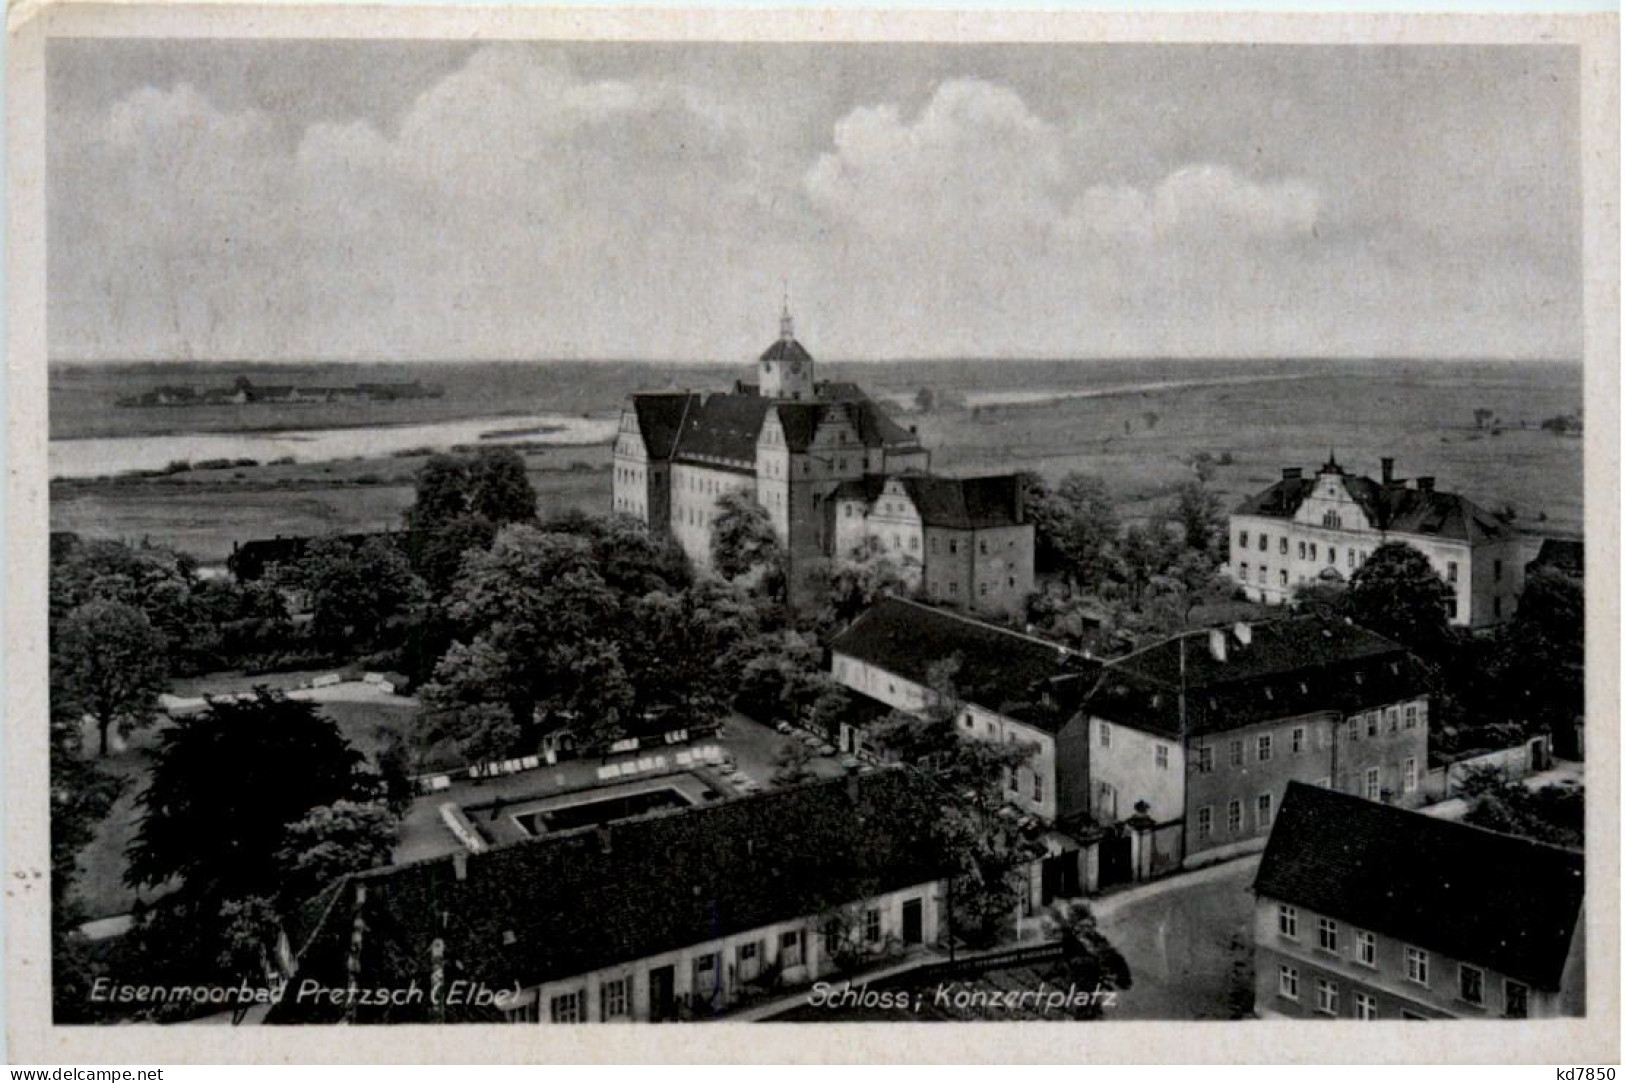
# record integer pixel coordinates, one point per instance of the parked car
(784, 727)
(826, 749)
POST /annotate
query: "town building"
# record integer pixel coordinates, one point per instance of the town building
(1366, 911)
(793, 442)
(1322, 528)
(1009, 688)
(1195, 739)
(674, 915)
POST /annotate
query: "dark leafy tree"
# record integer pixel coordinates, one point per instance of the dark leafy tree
(792, 764)
(1552, 814)
(1200, 519)
(1075, 527)
(861, 579)
(112, 663)
(225, 786)
(742, 536)
(499, 489)
(356, 590)
(1397, 593)
(330, 841)
(1540, 654)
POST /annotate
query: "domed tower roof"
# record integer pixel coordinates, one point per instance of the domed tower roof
(785, 368)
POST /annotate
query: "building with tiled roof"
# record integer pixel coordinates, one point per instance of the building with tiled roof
(1365, 911)
(1322, 528)
(1010, 687)
(677, 914)
(791, 442)
(1203, 732)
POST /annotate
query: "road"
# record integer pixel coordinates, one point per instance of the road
(1188, 941)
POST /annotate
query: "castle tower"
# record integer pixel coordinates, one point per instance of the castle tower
(785, 370)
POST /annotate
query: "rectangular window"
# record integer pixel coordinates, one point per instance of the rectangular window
(1450, 571)
(1303, 550)
(1265, 747)
(1314, 551)
(1244, 571)
(1416, 965)
(1300, 739)
(1266, 811)
(1105, 734)
(749, 958)
(1392, 715)
(1517, 1000)
(1472, 984)
(953, 545)
(1498, 571)
(1161, 753)
(1263, 543)
(616, 998)
(1326, 935)
(569, 1007)
(1204, 822)
(1365, 949)
(1233, 817)
(1283, 547)
(1235, 753)
(1450, 608)
(1283, 577)
(1365, 1006)
(1289, 982)
(1038, 786)
(1325, 996)
(790, 948)
(1331, 554)
(1354, 727)
(1204, 760)
(1410, 716)
(1286, 921)
(871, 926)
(1373, 722)
(1241, 540)
(1373, 784)
(1409, 784)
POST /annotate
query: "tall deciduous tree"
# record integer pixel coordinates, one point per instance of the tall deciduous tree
(1397, 593)
(1075, 527)
(332, 840)
(742, 536)
(356, 590)
(112, 664)
(1197, 511)
(226, 784)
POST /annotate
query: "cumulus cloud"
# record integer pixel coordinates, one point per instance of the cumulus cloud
(521, 206)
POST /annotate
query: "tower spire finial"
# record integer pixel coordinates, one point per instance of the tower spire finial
(787, 324)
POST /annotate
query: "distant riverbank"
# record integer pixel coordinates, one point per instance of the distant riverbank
(102, 456)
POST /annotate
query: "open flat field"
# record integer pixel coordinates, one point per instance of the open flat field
(1136, 424)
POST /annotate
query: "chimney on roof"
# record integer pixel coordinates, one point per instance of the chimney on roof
(459, 865)
(1387, 469)
(1291, 473)
(1216, 644)
(1424, 484)
(1244, 633)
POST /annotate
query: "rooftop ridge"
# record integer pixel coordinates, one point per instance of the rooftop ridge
(965, 618)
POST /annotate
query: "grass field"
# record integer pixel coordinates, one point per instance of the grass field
(1140, 441)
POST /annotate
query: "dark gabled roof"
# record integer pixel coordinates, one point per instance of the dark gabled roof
(957, 503)
(999, 669)
(1505, 903)
(786, 349)
(563, 905)
(660, 418)
(966, 503)
(1394, 508)
(723, 427)
(1292, 666)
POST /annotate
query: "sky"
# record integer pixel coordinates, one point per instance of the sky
(286, 200)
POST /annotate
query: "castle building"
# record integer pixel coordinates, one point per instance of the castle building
(1322, 528)
(836, 475)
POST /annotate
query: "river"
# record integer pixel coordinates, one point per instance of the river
(98, 456)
